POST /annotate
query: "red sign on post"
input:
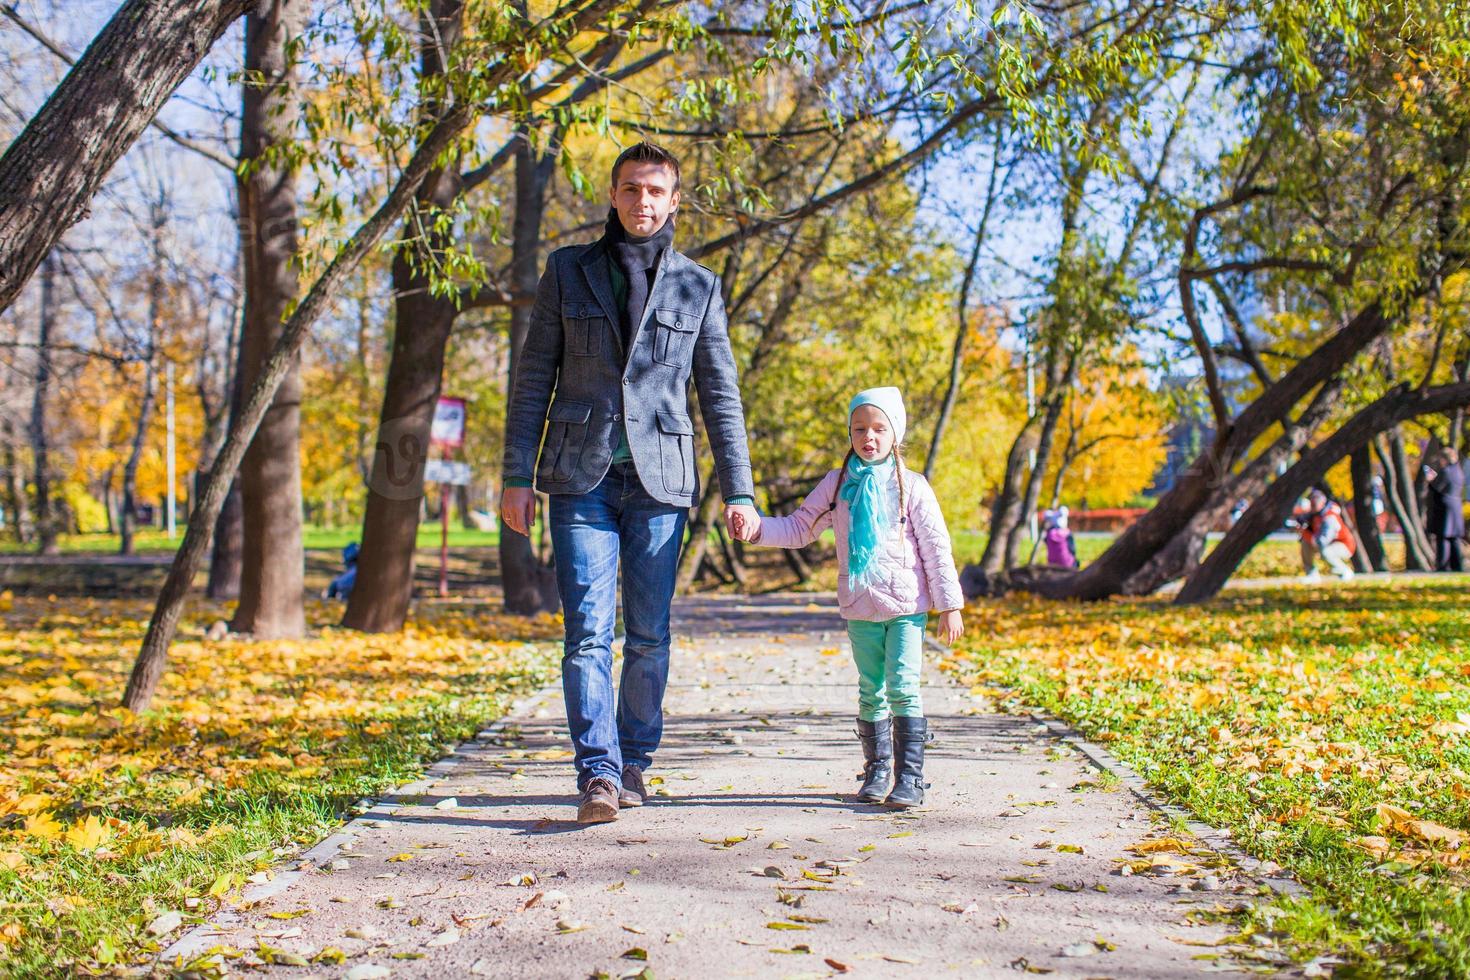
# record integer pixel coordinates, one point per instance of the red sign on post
(447, 431)
(446, 435)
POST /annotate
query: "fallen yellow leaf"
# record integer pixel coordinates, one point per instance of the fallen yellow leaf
(42, 825)
(89, 834)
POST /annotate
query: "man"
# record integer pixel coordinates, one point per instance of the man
(1325, 533)
(618, 330)
(1445, 519)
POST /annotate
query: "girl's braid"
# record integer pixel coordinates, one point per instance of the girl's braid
(838, 492)
(903, 514)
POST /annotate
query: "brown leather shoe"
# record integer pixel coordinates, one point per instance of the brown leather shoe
(632, 793)
(599, 802)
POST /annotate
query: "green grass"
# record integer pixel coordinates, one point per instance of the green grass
(1287, 716)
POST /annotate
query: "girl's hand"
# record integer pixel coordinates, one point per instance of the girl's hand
(951, 626)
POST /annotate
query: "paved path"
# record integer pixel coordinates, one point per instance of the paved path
(481, 871)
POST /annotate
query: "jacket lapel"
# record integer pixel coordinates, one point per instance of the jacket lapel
(662, 283)
(594, 266)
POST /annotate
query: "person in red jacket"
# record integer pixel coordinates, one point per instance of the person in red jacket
(1325, 532)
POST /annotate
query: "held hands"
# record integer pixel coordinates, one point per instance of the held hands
(951, 626)
(743, 522)
(518, 508)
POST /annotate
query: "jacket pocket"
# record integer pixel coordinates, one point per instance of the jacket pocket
(566, 435)
(676, 452)
(673, 336)
(583, 327)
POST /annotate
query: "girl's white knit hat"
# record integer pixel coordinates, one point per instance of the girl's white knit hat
(889, 401)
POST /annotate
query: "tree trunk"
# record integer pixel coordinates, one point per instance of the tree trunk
(1181, 556)
(46, 516)
(153, 655)
(1171, 514)
(732, 558)
(1456, 437)
(226, 558)
(422, 323)
(1274, 506)
(271, 558)
(51, 170)
(109, 502)
(1056, 395)
(1428, 450)
(227, 543)
(692, 558)
(127, 516)
(529, 582)
(1418, 555)
(1415, 555)
(462, 503)
(18, 508)
(798, 564)
(1361, 462)
(1005, 512)
(380, 600)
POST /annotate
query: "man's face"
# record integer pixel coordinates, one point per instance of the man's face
(644, 197)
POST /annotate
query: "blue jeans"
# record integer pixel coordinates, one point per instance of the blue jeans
(616, 519)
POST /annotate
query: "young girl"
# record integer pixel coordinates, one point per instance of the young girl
(893, 566)
(1061, 547)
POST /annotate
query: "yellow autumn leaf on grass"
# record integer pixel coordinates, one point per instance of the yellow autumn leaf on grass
(42, 825)
(1403, 822)
(13, 860)
(89, 834)
(32, 802)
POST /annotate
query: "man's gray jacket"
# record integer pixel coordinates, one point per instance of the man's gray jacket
(574, 379)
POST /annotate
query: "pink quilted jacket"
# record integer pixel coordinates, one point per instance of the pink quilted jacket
(915, 573)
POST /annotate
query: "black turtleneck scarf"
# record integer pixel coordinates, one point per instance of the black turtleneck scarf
(637, 259)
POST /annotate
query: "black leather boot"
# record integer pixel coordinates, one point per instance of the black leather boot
(909, 736)
(877, 739)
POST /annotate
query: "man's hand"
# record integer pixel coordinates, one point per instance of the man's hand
(951, 626)
(518, 508)
(743, 521)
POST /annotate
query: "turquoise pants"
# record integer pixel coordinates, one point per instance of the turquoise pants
(889, 656)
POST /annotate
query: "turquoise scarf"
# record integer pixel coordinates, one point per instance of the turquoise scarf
(871, 514)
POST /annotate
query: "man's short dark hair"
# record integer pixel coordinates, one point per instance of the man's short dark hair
(646, 152)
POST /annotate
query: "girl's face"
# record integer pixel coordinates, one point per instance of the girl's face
(872, 436)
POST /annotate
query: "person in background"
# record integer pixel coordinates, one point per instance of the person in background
(1325, 532)
(341, 586)
(1061, 546)
(1380, 508)
(1445, 515)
